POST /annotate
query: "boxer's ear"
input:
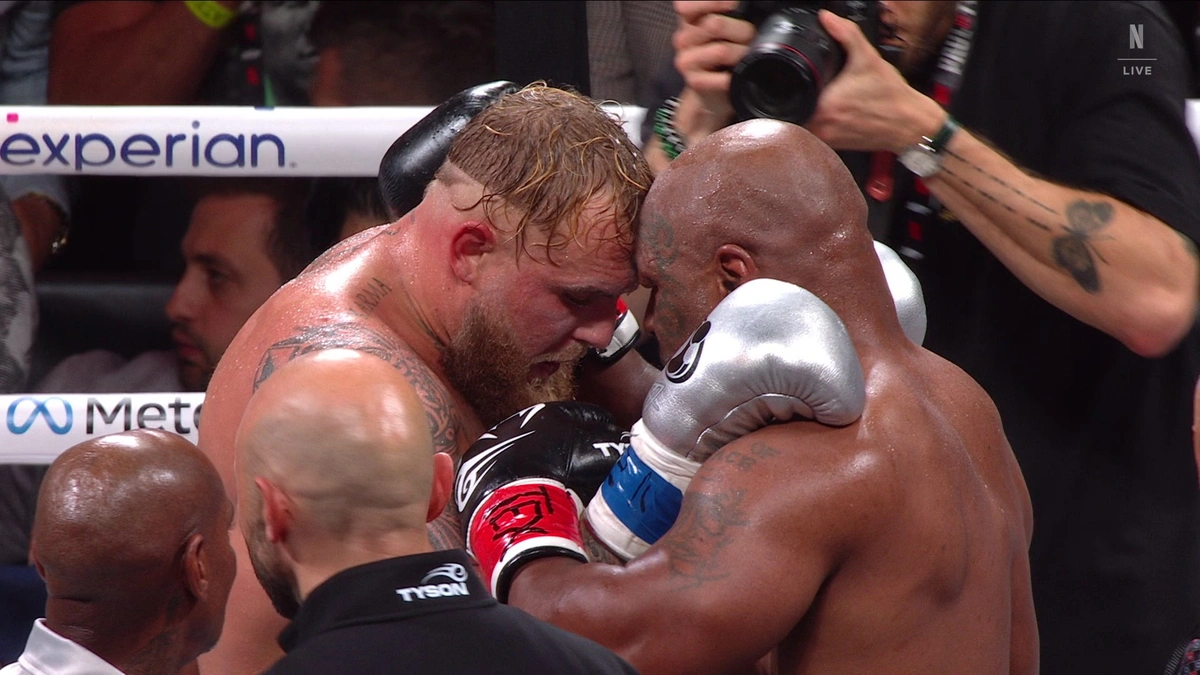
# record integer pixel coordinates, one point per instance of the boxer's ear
(469, 243)
(735, 266)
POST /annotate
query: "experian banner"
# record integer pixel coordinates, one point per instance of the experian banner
(210, 140)
(39, 427)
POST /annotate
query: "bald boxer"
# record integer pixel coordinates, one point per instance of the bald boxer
(338, 539)
(483, 297)
(895, 543)
(132, 536)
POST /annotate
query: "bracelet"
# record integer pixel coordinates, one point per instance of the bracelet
(211, 13)
(942, 137)
(664, 127)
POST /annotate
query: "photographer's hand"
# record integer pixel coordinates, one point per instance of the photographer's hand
(708, 44)
(869, 105)
(1136, 278)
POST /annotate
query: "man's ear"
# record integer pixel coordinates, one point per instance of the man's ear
(735, 266)
(277, 510)
(33, 559)
(443, 485)
(469, 243)
(195, 572)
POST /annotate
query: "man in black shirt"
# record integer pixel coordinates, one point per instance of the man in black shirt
(1052, 228)
(335, 486)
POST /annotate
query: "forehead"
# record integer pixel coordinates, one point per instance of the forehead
(594, 256)
(231, 223)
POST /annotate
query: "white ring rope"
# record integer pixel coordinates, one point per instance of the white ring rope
(175, 141)
(212, 140)
(189, 140)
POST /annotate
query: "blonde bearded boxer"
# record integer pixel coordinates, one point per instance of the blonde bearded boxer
(484, 296)
(861, 510)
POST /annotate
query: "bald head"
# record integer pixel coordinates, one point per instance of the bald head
(761, 198)
(345, 436)
(114, 512)
(764, 184)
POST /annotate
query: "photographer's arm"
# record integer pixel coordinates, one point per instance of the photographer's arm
(1098, 259)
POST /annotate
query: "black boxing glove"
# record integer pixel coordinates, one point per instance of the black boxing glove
(522, 486)
(411, 161)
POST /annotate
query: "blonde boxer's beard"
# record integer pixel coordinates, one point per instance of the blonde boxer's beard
(485, 362)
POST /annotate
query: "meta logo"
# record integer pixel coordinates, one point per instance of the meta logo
(139, 151)
(40, 408)
(59, 416)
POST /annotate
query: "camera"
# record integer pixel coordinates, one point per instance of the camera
(792, 58)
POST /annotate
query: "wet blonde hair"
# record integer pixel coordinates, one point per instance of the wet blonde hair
(552, 154)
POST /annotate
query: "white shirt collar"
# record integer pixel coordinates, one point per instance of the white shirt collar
(48, 653)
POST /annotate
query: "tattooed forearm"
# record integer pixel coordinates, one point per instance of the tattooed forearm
(995, 179)
(1000, 202)
(1073, 251)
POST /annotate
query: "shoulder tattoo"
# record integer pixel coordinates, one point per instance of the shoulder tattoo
(444, 418)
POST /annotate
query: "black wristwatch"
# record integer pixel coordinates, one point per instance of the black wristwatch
(925, 158)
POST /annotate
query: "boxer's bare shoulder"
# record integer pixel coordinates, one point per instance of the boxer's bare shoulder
(443, 411)
(913, 511)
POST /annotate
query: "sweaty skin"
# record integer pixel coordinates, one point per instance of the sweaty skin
(896, 544)
(392, 292)
(132, 536)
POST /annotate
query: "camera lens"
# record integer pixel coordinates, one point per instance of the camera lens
(779, 88)
(791, 59)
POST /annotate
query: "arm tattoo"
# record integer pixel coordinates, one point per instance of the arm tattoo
(745, 460)
(444, 419)
(1073, 250)
(998, 181)
(999, 202)
(700, 534)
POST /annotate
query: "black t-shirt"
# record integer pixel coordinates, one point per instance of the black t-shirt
(1102, 435)
(427, 613)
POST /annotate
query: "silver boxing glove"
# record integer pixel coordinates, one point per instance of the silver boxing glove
(769, 352)
(906, 293)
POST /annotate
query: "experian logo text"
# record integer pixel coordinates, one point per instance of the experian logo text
(141, 151)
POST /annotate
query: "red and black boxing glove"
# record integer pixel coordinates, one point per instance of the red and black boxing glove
(522, 486)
